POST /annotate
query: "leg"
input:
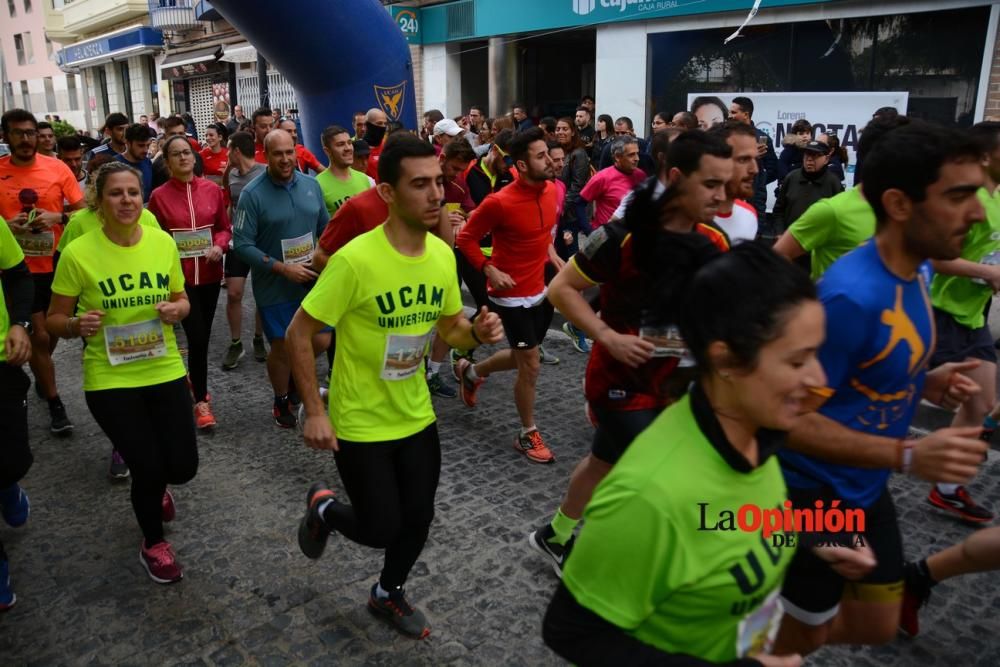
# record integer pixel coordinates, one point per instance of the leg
(980, 552)
(367, 472)
(169, 405)
(528, 365)
(15, 452)
(497, 363)
(41, 358)
(278, 370)
(866, 623)
(198, 328)
(234, 305)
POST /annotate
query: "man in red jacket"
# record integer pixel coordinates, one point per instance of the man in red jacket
(521, 218)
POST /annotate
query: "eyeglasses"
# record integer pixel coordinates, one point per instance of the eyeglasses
(186, 153)
(14, 133)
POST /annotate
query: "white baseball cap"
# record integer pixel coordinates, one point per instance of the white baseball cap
(447, 126)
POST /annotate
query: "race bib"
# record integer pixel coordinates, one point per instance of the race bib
(193, 243)
(666, 340)
(133, 342)
(404, 356)
(755, 634)
(298, 250)
(41, 244)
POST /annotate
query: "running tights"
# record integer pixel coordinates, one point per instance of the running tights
(391, 486)
(153, 429)
(198, 329)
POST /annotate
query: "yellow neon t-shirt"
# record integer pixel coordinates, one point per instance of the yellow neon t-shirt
(384, 306)
(132, 348)
(86, 220)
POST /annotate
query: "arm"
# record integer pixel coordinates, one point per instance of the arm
(19, 289)
(460, 333)
(769, 163)
(317, 430)
(966, 269)
(223, 228)
(480, 223)
(788, 247)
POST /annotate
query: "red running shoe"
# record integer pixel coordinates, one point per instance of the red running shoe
(961, 504)
(160, 563)
(167, 506)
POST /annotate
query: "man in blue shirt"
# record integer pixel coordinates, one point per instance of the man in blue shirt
(280, 216)
(921, 182)
(136, 155)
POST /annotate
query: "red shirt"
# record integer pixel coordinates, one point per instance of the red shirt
(606, 189)
(258, 154)
(189, 207)
(373, 161)
(521, 218)
(359, 214)
(306, 160)
(215, 163)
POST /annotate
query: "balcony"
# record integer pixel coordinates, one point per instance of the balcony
(172, 15)
(84, 17)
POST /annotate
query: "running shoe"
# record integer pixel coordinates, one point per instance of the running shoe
(282, 413)
(313, 531)
(960, 504)
(546, 358)
(259, 349)
(454, 355)
(533, 447)
(118, 469)
(15, 507)
(160, 563)
(203, 417)
(234, 353)
(541, 541)
(438, 387)
(916, 593)
(168, 509)
(408, 620)
(7, 597)
(59, 423)
(577, 336)
(466, 387)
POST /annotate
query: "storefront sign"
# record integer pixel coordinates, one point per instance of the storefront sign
(408, 20)
(97, 48)
(192, 70)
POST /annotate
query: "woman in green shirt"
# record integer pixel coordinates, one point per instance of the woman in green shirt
(657, 576)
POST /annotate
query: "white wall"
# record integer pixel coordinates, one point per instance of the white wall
(442, 79)
(621, 72)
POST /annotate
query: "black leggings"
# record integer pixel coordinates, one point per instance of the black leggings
(198, 329)
(153, 429)
(391, 486)
(15, 453)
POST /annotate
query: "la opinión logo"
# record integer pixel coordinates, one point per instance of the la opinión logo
(818, 525)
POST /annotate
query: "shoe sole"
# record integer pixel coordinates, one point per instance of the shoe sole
(389, 617)
(304, 532)
(155, 578)
(235, 363)
(118, 478)
(556, 567)
(9, 605)
(62, 429)
(959, 513)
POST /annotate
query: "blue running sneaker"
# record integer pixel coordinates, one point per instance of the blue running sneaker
(7, 597)
(14, 506)
(577, 336)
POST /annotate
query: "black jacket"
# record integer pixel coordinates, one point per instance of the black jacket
(797, 193)
(767, 172)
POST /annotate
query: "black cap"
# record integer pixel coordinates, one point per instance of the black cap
(816, 147)
(361, 148)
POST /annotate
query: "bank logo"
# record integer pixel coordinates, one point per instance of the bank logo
(584, 7)
(390, 99)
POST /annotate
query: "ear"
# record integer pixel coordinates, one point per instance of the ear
(721, 359)
(386, 192)
(674, 176)
(897, 205)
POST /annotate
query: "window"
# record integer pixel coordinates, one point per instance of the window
(48, 47)
(29, 53)
(19, 49)
(50, 95)
(126, 89)
(11, 8)
(74, 98)
(27, 6)
(25, 96)
(8, 94)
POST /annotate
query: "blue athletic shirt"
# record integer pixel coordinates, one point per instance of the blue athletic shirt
(879, 338)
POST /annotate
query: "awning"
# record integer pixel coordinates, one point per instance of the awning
(210, 54)
(112, 46)
(239, 53)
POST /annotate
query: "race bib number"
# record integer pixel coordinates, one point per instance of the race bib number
(134, 342)
(298, 250)
(756, 631)
(194, 243)
(41, 244)
(404, 356)
(666, 340)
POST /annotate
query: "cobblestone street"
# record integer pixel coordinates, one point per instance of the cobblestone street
(249, 597)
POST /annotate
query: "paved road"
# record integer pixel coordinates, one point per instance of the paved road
(250, 598)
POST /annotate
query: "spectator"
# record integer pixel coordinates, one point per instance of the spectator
(741, 110)
(791, 154)
(805, 186)
(684, 120)
(520, 114)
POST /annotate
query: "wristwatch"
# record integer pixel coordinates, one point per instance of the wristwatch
(27, 326)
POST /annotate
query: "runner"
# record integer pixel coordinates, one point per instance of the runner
(263, 123)
(280, 214)
(192, 210)
(607, 187)
(15, 349)
(215, 156)
(242, 170)
(304, 158)
(629, 380)
(340, 182)
(921, 181)
(644, 585)
(737, 217)
(34, 191)
(521, 218)
(385, 292)
(126, 282)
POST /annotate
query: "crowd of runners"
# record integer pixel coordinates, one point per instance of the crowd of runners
(749, 403)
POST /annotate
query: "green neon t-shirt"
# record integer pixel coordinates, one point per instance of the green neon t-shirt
(833, 227)
(964, 298)
(336, 191)
(642, 562)
(384, 306)
(10, 256)
(132, 348)
(86, 220)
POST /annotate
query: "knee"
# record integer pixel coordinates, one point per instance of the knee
(234, 293)
(381, 532)
(529, 366)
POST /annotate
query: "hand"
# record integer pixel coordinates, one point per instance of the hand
(318, 433)
(761, 150)
(45, 219)
(852, 564)
(949, 455)
(948, 387)
(498, 279)
(630, 350)
(991, 275)
(90, 323)
(488, 327)
(557, 261)
(567, 237)
(456, 218)
(214, 254)
(17, 346)
(298, 273)
(170, 312)
(794, 660)
(19, 222)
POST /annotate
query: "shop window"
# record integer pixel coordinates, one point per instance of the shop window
(50, 95)
(22, 58)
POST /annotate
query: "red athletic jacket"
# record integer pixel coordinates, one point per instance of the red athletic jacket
(182, 208)
(521, 218)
